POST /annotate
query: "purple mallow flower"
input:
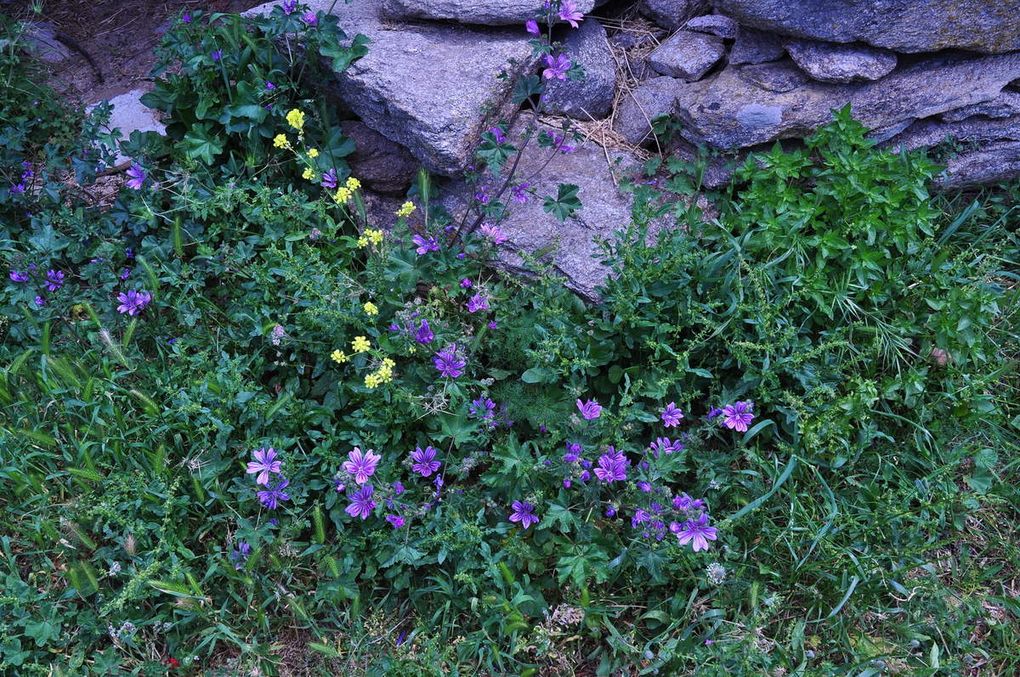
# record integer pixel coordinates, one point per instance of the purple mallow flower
(612, 466)
(289, 6)
(425, 244)
(448, 362)
(570, 13)
(671, 415)
(361, 464)
(270, 86)
(329, 179)
(697, 533)
(713, 412)
(265, 463)
(424, 333)
(573, 454)
(524, 513)
(240, 554)
(272, 496)
(664, 445)
(556, 67)
(531, 26)
(133, 302)
(310, 18)
(18, 276)
(136, 176)
(494, 233)
(483, 408)
(396, 520)
(738, 416)
(476, 303)
(589, 410)
(216, 55)
(424, 461)
(520, 192)
(497, 134)
(39, 302)
(362, 504)
(466, 283)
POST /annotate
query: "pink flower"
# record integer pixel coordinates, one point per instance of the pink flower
(570, 13)
(556, 67)
(361, 464)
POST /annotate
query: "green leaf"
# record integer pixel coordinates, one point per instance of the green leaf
(201, 144)
(566, 202)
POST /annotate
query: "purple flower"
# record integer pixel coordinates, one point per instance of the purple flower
(186, 17)
(559, 142)
(466, 283)
(524, 513)
(18, 188)
(556, 67)
(713, 412)
(520, 192)
(264, 464)
(136, 176)
(611, 511)
(570, 13)
(640, 517)
(425, 462)
(398, 487)
(133, 302)
(671, 415)
(339, 485)
(494, 233)
(573, 454)
(240, 555)
(738, 416)
(531, 26)
(664, 445)
(497, 133)
(697, 533)
(567, 483)
(362, 504)
(396, 520)
(361, 464)
(40, 302)
(476, 303)
(271, 497)
(448, 362)
(18, 276)
(492, 325)
(589, 410)
(270, 86)
(289, 6)
(424, 333)
(329, 179)
(612, 466)
(216, 55)
(125, 274)
(425, 244)
(310, 18)
(644, 487)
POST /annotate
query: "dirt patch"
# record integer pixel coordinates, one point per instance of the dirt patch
(119, 35)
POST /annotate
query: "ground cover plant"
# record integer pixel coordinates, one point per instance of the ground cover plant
(247, 428)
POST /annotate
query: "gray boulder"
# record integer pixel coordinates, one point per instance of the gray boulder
(591, 97)
(382, 165)
(639, 108)
(833, 62)
(991, 26)
(1005, 105)
(130, 115)
(753, 46)
(735, 109)
(687, 55)
(40, 37)
(484, 12)
(718, 25)
(571, 247)
(672, 14)
(995, 163)
(432, 89)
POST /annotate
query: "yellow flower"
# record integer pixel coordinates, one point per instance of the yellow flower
(360, 344)
(353, 183)
(342, 195)
(362, 241)
(313, 152)
(280, 141)
(296, 119)
(372, 380)
(308, 173)
(370, 308)
(339, 356)
(406, 209)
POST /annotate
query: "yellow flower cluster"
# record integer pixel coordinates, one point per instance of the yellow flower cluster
(313, 152)
(370, 308)
(406, 209)
(308, 174)
(339, 356)
(344, 193)
(384, 374)
(281, 141)
(371, 235)
(296, 119)
(360, 344)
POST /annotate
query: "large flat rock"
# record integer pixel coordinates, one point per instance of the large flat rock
(430, 88)
(748, 105)
(571, 246)
(990, 26)
(485, 12)
(592, 97)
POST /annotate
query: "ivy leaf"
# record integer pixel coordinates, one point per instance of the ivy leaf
(565, 203)
(201, 143)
